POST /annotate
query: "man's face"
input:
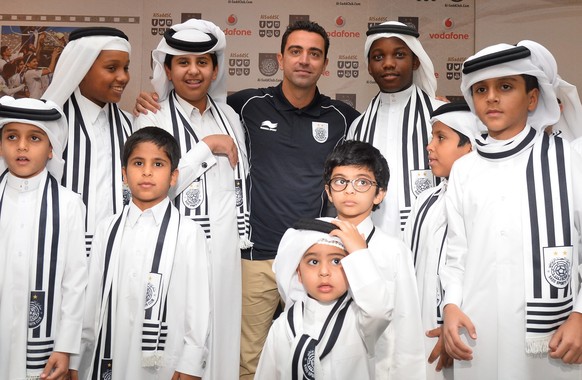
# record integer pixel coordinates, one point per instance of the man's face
(303, 60)
(391, 63)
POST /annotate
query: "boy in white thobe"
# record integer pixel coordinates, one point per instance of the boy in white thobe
(342, 306)
(148, 297)
(397, 119)
(43, 270)
(511, 278)
(189, 76)
(454, 127)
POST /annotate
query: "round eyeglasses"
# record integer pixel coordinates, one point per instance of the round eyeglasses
(361, 185)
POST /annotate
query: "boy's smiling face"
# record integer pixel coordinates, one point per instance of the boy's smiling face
(107, 77)
(391, 63)
(503, 105)
(192, 76)
(351, 205)
(149, 175)
(25, 148)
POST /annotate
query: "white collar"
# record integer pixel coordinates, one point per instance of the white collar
(189, 108)
(158, 211)
(400, 97)
(89, 109)
(26, 184)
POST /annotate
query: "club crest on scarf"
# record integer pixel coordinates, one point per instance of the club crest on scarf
(106, 369)
(36, 309)
(309, 362)
(319, 131)
(420, 180)
(126, 194)
(193, 196)
(153, 286)
(558, 266)
(238, 192)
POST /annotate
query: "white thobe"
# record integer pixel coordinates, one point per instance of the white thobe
(352, 356)
(188, 298)
(388, 140)
(32, 78)
(18, 253)
(224, 242)
(400, 349)
(431, 244)
(484, 271)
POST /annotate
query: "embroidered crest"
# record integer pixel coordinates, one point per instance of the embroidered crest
(420, 180)
(319, 131)
(309, 362)
(193, 196)
(126, 194)
(558, 266)
(106, 369)
(153, 288)
(36, 309)
(238, 193)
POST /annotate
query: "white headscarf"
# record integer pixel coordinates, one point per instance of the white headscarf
(459, 117)
(547, 111)
(424, 76)
(293, 245)
(194, 31)
(35, 112)
(77, 58)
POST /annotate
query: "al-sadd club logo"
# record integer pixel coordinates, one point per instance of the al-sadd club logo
(269, 26)
(160, 23)
(268, 64)
(239, 64)
(348, 66)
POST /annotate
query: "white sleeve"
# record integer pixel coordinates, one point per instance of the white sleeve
(267, 368)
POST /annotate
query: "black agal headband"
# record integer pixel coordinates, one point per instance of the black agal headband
(496, 58)
(190, 46)
(97, 31)
(398, 29)
(314, 225)
(29, 114)
(451, 107)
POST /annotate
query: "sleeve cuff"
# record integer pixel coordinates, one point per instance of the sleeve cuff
(193, 361)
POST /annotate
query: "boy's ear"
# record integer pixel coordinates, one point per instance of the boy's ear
(380, 196)
(168, 73)
(328, 192)
(124, 175)
(299, 275)
(174, 178)
(533, 98)
(415, 63)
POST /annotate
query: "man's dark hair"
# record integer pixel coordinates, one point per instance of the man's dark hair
(168, 60)
(360, 154)
(157, 136)
(308, 26)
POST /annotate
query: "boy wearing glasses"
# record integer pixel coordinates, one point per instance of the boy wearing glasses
(356, 177)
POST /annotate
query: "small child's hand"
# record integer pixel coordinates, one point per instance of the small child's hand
(439, 352)
(183, 376)
(566, 344)
(57, 367)
(223, 144)
(352, 239)
(455, 320)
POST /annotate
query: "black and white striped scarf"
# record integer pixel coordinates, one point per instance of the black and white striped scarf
(307, 351)
(79, 161)
(548, 246)
(417, 228)
(45, 292)
(415, 172)
(193, 201)
(155, 328)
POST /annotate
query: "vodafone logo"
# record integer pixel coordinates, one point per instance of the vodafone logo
(232, 19)
(340, 21)
(448, 23)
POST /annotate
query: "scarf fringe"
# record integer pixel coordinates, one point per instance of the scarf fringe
(155, 359)
(245, 243)
(538, 345)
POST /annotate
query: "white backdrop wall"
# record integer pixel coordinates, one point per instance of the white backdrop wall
(450, 31)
